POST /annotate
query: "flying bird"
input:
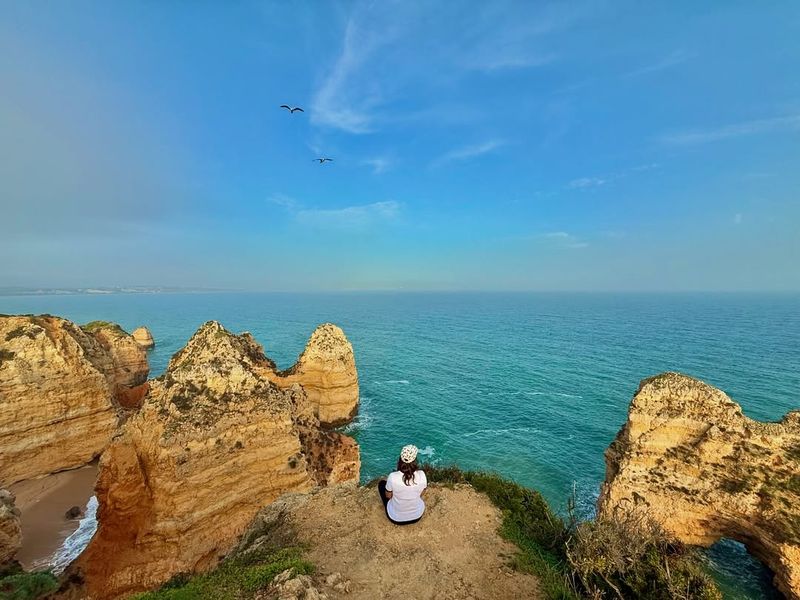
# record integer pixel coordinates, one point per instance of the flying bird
(323, 160)
(292, 109)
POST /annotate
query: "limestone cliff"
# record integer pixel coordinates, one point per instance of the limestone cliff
(61, 391)
(690, 458)
(10, 532)
(214, 441)
(327, 371)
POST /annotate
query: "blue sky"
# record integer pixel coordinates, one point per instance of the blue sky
(482, 146)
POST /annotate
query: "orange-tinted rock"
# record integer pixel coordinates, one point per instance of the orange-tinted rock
(59, 391)
(214, 441)
(689, 457)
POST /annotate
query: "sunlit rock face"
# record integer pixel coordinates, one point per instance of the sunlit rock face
(63, 391)
(143, 337)
(327, 371)
(690, 458)
(10, 531)
(214, 441)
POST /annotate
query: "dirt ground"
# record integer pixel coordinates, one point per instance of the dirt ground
(453, 553)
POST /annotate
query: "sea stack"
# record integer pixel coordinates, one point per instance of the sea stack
(327, 371)
(63, 390)
(215, 441)
(689, 457)
(143, 337)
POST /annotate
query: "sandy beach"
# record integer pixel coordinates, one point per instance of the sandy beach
(43, 503)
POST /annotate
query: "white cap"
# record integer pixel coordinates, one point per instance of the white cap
(408, 453)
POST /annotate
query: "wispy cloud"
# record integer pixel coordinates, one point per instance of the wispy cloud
(390, 49)
(745, 128)
(737, 219)
(379, 164)
(675, 58)
(469, 152)
(283, 200)
(356, 217)
(586, 183)
(563, 239)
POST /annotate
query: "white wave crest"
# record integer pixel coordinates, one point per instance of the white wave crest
(78, 540)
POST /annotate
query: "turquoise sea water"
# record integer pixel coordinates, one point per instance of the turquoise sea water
(534, 386)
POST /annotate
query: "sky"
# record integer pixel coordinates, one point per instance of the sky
(592, 146)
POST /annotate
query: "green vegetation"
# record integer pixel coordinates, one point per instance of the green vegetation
(97, 325)
(624, 557)
(16, 584)
(236, 578)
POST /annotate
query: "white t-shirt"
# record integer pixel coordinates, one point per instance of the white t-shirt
(405, 503)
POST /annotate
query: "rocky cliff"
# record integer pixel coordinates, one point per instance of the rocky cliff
(327, 371)
(10, 532)
(690, 458)
(62, 390)
(214, 441)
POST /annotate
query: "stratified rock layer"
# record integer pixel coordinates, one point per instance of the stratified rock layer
(143, 337)
(690, 458)
(327, 371)
(61, 390)
(214, 442)
(10, 532)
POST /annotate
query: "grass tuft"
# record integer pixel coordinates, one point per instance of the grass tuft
(235, 578)
(16, 584)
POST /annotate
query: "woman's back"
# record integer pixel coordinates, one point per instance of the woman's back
(406, 503)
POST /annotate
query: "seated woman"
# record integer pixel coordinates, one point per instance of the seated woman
(401, 492)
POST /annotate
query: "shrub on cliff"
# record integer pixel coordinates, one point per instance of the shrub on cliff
(16, 584)
(630, 556)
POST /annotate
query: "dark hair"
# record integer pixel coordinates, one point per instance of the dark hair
(408, 470)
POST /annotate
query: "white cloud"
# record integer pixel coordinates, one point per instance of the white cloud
(586, 182)
(702, 136)
(468, 152)
(737, 219)
(379, 164)
(350, 217)
(563, 239)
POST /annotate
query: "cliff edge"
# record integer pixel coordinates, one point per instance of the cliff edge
(689, 457)
(215, 441)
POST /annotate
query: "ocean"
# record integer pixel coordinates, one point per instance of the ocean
(533, 386)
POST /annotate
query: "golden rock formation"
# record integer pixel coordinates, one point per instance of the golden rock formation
(10, 532)
(214, 441)
(143, 337)
(689, 457)
(62, 388)
(327, 371)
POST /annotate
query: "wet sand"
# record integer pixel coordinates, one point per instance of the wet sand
(43, 503)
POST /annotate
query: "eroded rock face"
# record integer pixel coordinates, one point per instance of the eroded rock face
(690, 458)
(327, 371)
(143, 337)
(214, 441)
(10, 532)
(62, 388)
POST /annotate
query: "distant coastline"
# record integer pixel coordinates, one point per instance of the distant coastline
(104, 291)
